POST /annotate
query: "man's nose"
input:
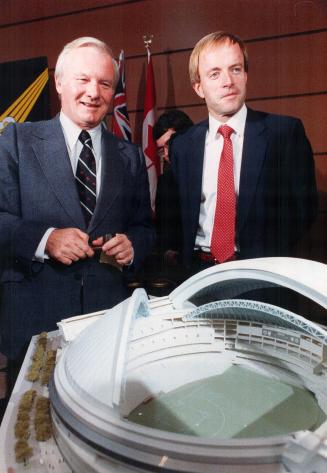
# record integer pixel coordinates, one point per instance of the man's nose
(227, 78)
(92, 89)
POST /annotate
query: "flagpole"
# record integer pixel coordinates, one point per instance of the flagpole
(148, 143)
(147, 39)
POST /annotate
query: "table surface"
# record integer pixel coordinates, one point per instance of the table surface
(46, 455)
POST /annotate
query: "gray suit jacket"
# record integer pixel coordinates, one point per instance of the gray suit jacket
(38, 191)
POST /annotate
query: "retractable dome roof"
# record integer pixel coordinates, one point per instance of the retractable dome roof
(113, 365)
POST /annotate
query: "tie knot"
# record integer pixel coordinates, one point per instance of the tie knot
(225, 131)
(85, 137)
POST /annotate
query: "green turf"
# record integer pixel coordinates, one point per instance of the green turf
(239, 403)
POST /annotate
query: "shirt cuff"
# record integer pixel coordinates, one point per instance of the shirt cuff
(40, 254)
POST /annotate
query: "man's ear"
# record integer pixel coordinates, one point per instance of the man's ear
(198, 89)
(58, 84)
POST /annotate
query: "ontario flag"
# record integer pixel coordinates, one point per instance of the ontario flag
(120, 120)
(148, 144)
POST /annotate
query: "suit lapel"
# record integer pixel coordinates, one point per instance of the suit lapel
(111, 177)
(254, 153)
(51, 152)
(195, 170)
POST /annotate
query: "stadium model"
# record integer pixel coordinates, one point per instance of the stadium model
(143, 348)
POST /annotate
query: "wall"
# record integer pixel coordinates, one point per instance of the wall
(286, 39)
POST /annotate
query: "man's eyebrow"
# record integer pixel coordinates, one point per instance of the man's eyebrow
(216, 68)
(237, 64)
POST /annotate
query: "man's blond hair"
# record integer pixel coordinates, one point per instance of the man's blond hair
(208, 41)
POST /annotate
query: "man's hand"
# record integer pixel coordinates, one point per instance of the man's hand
(68, 244)
(119, 247)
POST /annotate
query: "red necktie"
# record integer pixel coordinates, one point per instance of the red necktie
(223, 233)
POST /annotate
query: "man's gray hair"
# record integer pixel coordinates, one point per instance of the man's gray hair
(86, 41)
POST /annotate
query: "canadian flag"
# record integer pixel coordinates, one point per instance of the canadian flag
(120, 120)
(148, 144)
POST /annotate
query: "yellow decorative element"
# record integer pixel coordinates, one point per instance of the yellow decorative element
(22, 106)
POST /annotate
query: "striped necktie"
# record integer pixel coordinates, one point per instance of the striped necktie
(86, 177)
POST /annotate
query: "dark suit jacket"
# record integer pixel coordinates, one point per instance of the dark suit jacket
(167, 213)
(277, 198)
(38, 191)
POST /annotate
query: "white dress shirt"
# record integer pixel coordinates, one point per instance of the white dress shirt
(212, 152)
(74, 147)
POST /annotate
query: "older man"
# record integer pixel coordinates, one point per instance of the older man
(74, 204)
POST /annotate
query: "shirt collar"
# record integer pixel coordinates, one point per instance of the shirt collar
(72, 131)
(237, 122)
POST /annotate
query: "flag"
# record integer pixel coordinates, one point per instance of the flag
(24, 89)
(120, 120)
(148, 143)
